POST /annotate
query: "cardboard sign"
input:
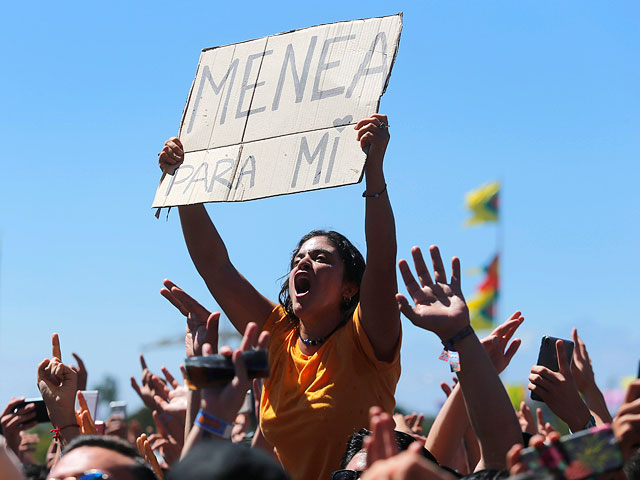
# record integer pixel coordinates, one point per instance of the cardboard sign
(275, 115)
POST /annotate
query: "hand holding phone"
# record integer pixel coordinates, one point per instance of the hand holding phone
(548, 357)
(558, 388)
(21, 414)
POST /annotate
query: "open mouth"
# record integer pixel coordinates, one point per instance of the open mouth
(301, 284)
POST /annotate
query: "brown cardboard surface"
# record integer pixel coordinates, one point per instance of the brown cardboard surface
(275, 115)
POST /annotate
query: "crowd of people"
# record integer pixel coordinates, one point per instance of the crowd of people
(326, 409)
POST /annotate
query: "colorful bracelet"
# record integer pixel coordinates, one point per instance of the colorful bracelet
(56, 431)
(213, 425)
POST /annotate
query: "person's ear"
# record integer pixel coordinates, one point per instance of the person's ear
(349, 290)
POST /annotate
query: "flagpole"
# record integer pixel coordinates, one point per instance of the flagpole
(500, 251)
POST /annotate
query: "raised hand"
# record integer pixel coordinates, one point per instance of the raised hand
(544, 427)
(58, 384)
(169, 438)
(83, 417)
(225, 402)
(526, 420)
(13, 423)
(28, 445)
(172, 155)
(202, 325)
(626, 424)
(496, 342)
(559, 391)
(373, 135)
(407, 465)
(82, 372)
(146, 452)
(439, 305)
(381, 444)
(581, 366)
(151, 385)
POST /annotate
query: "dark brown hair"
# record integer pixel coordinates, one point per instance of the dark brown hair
(354, 266)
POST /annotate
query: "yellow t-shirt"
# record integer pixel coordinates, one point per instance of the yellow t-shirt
(312, 404)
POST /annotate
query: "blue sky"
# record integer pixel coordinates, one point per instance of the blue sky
(541, 95)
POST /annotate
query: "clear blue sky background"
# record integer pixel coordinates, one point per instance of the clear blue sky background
(542, 95)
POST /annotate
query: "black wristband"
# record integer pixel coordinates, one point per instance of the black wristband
(449, 344)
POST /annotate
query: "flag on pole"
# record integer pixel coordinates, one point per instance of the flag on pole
(482, 305)
(483, 203)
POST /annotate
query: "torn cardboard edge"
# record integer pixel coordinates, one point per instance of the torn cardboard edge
(394, 28)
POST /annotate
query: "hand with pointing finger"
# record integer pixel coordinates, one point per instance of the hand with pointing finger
(58, 384)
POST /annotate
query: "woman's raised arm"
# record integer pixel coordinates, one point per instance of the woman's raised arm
(241, 302)
(378, 308)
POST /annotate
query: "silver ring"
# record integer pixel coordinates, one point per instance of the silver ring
(383, 125)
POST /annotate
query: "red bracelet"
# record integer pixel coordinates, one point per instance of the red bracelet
(56, 431)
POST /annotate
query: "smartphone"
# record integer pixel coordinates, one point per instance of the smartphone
(548, 356)
(42, 416)
(217, 370)
(578, 456)
(118, 410)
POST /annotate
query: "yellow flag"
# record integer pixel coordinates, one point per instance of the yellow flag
(483, 203)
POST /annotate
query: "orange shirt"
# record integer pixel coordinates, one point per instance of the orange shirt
(312, 404)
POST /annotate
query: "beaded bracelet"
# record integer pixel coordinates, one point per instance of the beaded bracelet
(213, 425)
(374, 195)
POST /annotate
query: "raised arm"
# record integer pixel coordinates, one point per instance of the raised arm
(379, 311)
(440, 308)
(452, 421)
(241, 302)
(585, 381)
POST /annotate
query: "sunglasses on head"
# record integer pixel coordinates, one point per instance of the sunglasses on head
(346, 474)
(90, 475)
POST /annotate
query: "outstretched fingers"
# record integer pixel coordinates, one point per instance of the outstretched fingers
(410, 282)
(170, 378)
(456, 276)
(421, 267)
(438, 267)
(143, 363)
(250, 337)
(168, 294)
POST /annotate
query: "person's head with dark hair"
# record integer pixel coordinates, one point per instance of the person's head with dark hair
(35, 472)
(217, 460)
(112, 456)
(631, 467)
(487, 474)
(355, 457)
(353, 265)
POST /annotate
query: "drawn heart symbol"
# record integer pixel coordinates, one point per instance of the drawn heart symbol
(339, 123)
